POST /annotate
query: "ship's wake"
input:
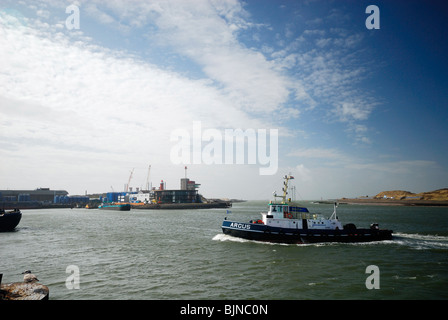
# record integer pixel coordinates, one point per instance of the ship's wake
(226, 237)
(413, 241)
(421, 241)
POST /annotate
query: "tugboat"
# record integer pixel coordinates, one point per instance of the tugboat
(289, 223)
(115, 206)
(9, 219)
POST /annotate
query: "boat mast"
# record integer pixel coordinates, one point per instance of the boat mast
(333, 215)
(284, 189)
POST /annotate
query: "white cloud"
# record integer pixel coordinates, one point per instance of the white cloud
(351, 111)
(210, 39)
(302, 173)
(68, 101)
(205, 32)
(77, 113)
(43, 13)
(328, 62)
(99, 15)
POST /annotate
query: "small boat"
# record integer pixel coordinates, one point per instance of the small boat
(9, 219)
(115, 206)
(286, 222)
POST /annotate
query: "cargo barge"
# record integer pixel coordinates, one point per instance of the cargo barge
(115, 206)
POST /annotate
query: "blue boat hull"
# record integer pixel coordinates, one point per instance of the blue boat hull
(261, 232)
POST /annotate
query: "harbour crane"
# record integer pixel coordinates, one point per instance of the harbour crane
(147, 178)
(129, 181)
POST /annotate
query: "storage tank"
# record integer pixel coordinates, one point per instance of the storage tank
(112, 196)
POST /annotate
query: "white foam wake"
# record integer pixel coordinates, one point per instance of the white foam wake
(225, 237)
(414, 241)
(421, 241)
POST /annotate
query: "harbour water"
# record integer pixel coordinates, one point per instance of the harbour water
(182, 254)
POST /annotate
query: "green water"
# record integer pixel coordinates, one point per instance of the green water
(182, 254)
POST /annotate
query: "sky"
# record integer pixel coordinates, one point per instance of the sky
(349, 102)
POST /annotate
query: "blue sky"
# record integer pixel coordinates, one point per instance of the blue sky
(358, 110)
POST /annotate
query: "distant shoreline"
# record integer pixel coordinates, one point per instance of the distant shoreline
(392, 202)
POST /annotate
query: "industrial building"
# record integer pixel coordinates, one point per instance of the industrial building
(187, 184)
(39, 194)
(39, 197)
(176, 196)
(186, 194)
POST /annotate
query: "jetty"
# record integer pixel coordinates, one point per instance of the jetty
(392, 202)
(402, 198)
